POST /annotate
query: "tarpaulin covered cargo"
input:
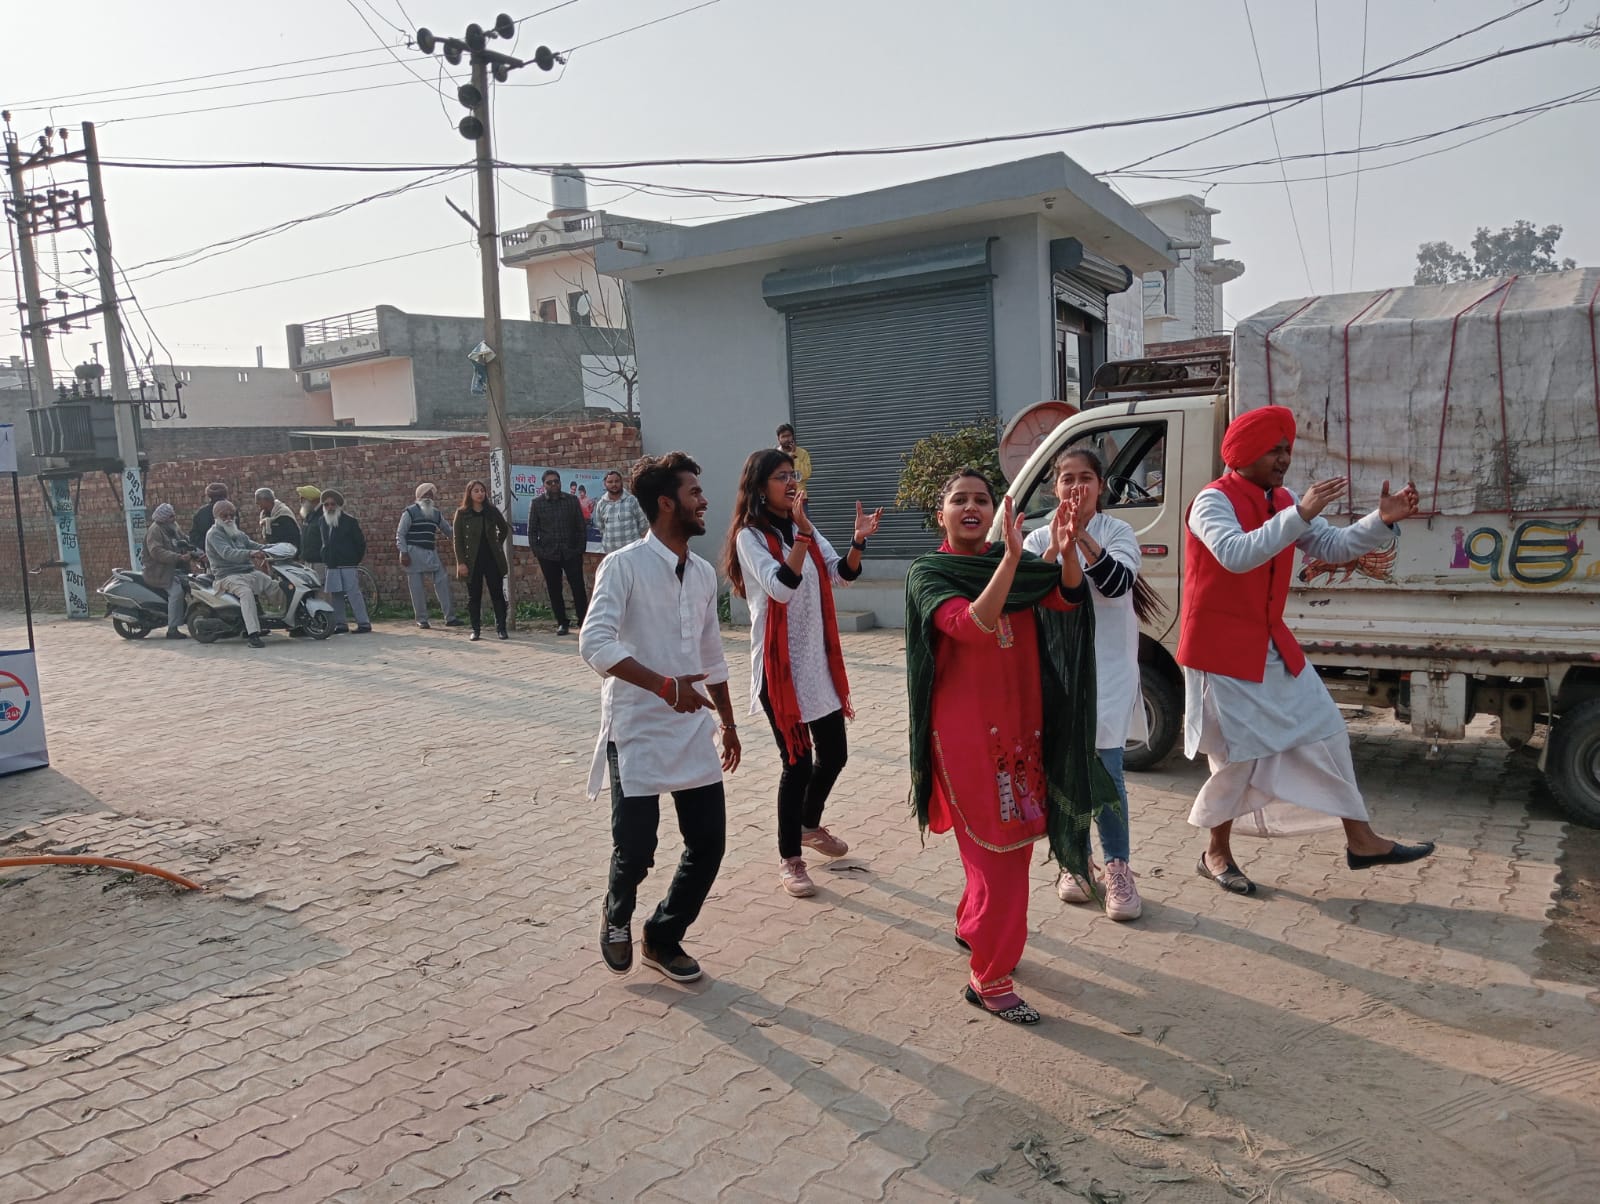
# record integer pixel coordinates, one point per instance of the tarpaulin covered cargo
(1486, 393)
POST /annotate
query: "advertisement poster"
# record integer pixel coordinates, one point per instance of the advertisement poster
(585, 484)
(21, 719)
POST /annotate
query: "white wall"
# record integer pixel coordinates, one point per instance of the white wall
(217, 396)
(555, 276)
(375, 393)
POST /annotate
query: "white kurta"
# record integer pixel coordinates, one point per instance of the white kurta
(808, 650)
(1119, 701)
(1279, 749)
(641, 609)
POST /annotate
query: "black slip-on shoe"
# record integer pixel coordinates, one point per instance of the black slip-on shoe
(1399, 855)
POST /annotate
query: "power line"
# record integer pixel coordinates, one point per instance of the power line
(1272, 121)
(858, 152)
(393, 53)
(1361, 118)
(682, 12)
(349, 267)
(1360, 79)
(251, 104)
(545, 11)
(1322, 116)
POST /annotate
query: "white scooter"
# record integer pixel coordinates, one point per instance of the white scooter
(214, 615)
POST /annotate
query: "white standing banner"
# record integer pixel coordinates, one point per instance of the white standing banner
(8, 448)
(21, 717)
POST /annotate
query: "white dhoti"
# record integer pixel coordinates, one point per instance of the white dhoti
(1279, 752)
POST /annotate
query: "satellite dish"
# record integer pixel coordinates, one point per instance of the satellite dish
(583, 307)
(1027, 430)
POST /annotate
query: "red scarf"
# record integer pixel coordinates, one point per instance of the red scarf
(779, 673)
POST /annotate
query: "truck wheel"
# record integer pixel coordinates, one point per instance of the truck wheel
(129, 631)
(1573, 765)
(1163, 714)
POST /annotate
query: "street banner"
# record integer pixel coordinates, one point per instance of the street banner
(21, 716)
(588, 485)
(8, 448)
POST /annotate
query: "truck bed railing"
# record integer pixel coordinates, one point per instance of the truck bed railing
(1189, 373)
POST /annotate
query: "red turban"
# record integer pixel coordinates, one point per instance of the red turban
(1256, 432)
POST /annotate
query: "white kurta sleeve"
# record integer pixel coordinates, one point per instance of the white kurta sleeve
(1337, 545)
(761, 566)
(1037, 541)
(829, 558)
(600, 641)
(1215, 524)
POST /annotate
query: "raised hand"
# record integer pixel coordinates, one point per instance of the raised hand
(1392, 507)
(1317, 499)
(867, 524)
(1011, 531)
(1065, 521)
(802, 522)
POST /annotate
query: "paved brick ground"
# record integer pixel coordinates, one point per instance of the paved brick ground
(390, 990)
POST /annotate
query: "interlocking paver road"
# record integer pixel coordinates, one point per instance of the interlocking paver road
(390, 989)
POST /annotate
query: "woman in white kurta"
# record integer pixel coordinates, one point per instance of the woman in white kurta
(1108, 550)
(784, 568)
(1279, 749)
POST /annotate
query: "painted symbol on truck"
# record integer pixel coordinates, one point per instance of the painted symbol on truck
(1540, 553)
(1378, 566)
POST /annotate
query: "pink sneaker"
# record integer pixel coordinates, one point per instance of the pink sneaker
(1072, 889)
(1122, 896)
(824, 842)
(794, 879)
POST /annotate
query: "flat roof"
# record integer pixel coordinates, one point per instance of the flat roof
(1052, 186)
(385, 433)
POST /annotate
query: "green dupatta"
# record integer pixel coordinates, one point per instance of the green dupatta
(1078, 785)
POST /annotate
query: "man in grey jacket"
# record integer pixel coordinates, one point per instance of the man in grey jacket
(236, 563)
(422, 526)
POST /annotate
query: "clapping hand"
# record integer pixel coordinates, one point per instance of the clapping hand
(1317, 499)
(866, 524)
(1392, 507)
(797, 513)
(1064, 522)
(1011, 532)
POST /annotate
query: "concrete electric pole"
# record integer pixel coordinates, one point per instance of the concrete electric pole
(475, 126)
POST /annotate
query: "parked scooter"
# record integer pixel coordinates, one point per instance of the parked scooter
(213, 615)
(135, 610)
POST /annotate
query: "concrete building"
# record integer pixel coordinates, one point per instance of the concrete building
(386, 368)
(872, 320)
(564, 288)
(1185, 301)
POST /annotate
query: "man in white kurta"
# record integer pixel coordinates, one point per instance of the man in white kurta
(1278, 748)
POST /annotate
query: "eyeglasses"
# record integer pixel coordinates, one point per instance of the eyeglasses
(783, 478)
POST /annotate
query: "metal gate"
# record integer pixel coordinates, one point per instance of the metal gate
(869, 378)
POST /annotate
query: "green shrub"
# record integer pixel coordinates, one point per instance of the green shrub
(934, 457)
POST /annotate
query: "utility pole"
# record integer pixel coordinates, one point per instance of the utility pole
(133, 515)
(475, 127)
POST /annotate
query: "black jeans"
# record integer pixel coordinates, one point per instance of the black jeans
(803, 787)
(572, 567)
(486, 569)
(703, 821)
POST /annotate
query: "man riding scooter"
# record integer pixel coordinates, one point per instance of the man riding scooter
(236, 565)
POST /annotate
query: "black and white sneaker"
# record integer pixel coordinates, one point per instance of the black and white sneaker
(671, 961)
(616, 946)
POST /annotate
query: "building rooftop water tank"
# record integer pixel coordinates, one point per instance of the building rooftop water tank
(568, 191)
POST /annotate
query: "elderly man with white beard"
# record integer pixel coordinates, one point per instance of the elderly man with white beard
(421, 525)
(236, 562)
(341, 546)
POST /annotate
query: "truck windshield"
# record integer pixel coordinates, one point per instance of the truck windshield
(1134, 456)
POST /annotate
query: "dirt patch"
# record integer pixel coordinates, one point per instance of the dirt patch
(1571, 948)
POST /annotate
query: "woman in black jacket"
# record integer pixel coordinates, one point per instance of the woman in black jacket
(480, 536)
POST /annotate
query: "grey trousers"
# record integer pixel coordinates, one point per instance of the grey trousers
(425, 564)
(343, 585)
(175, 601)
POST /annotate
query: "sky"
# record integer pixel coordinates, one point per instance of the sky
(740, 77)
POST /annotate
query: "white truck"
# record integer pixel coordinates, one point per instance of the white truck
(1487, 395)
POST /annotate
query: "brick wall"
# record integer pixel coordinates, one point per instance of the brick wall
(377, 480)
(174, 442)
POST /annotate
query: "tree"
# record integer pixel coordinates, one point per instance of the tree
(616, 365)
(1519, 249)
(934, 457)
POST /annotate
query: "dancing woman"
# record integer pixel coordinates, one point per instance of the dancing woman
(1108, 550)
(990, 650)
(786, 570)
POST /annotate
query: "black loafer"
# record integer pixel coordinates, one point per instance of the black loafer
(1017, 1013)
(1399, 855)
(1231, 879)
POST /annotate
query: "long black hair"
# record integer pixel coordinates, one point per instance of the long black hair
(1147, 604)
(750, 507)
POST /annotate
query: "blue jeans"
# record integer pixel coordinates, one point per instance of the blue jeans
(1113, 826)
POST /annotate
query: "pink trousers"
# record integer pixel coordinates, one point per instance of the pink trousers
(992, 916)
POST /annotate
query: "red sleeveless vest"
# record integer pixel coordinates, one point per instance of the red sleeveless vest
(1227, 618)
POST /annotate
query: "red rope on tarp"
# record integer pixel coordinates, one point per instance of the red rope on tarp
(1449, 374)
(1594, 353)
(1349, 453)
(1500, 380)
(1267, 342)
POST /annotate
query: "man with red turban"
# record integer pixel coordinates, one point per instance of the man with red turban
(1278, 746)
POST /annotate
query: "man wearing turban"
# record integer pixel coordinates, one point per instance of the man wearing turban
(167, 557)
(1278, 746)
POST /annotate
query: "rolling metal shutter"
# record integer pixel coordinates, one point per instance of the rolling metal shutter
(867, 379)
